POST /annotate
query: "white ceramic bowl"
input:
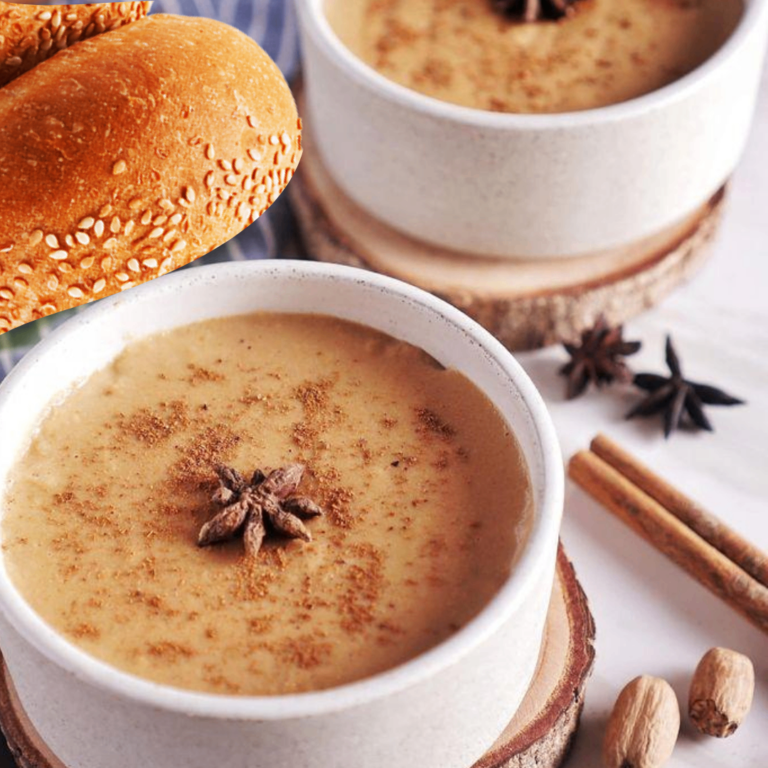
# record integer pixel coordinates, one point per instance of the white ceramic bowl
(440, 710)
(529, 185)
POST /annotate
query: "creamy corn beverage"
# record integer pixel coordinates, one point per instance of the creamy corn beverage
(462, 51)
(357, 505)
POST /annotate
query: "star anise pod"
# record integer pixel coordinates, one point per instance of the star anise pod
(599, 358)
(533, 10)
(676, 397)
(255, 507)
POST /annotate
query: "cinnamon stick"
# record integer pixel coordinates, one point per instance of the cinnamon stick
(734, 546)
(671, 536)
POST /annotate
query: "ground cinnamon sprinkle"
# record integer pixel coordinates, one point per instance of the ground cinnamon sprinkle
(198, 374)
(152, 426)
(202, 454)
(169, 651)
(431, 422)
(85, 632)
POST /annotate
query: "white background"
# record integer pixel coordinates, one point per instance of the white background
(651, 617)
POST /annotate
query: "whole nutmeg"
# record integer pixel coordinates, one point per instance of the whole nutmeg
(643, 727)
(721, 692)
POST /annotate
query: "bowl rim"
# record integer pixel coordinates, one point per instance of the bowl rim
(523, 580)
(317, 25)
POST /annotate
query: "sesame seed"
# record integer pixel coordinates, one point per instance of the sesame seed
(136, 203)
(52, 241)
(133, 265)
(254, 155)
(261, 139)
(53, 283)
(71, 17)
(86, 223)
(122, 277)
(285, 140)
(189, 193)
(119, 167)
(179, 245)
(261, 189)
(252, 121)
(105, 211)
(230, 179)
(166, 204)
(247, 184)
(87, 262)
(268, 183)
(129, 225)
(126, 286)
(65, 268)
(169, 235)
(274, 141)
(13, 61)
(114, 225)
(36, 237)
(19, 282)
(243, 211)
(75, 292)
(44, 16)
(176, 219)
(223, 194)
(106, 263)
(183, 203)
(210, 179)
(82, 238)
(210, 152)
(111, 243)
(238, 165)
(99, 285)
(48, 308)
(273, 197)
(146, 218)
(98, 228)
(167, 264)
(59, 255)
(158, 220)
(211, 208)
(150, 263)
(156, 232)
(56, 20)
(69, 241)
(25, 268)
(6, 293)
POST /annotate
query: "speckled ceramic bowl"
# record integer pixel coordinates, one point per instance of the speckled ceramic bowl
(529, 185)
(441, 710)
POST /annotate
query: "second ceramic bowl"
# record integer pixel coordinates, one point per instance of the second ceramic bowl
(529, 185)
(443, 709)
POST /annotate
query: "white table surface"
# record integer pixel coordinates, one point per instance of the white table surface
(651, 617)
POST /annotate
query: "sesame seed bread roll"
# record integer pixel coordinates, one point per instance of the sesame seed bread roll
(30, 34)
(133, 153)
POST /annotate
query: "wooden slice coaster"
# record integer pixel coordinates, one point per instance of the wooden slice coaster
(539, 736)
(526, 304)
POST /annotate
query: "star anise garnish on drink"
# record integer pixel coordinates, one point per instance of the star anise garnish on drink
(254, 508)
(599, 358)
(533, 10)
(677, 397)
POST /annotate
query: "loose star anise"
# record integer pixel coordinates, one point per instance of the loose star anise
(599, 358)
(533, 10)
(251, 507)
(675, 396)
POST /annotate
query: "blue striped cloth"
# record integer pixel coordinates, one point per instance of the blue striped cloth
(272, 23)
